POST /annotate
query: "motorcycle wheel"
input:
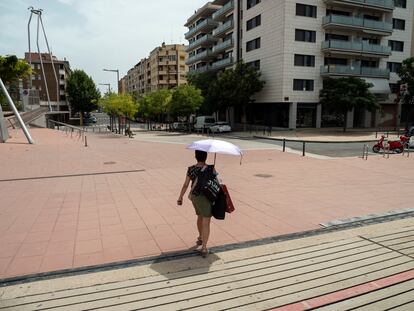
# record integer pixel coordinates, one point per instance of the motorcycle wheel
(399, 150)
(376, 149)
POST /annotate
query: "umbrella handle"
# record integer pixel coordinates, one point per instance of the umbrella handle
(215, 154)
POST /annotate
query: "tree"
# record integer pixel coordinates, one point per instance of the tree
(11, 70)
(406, 74)
(82, 92)
(155, 105)
(344, 94)
(185, 100)
(117, 106)
(236, 87)
(207, 83)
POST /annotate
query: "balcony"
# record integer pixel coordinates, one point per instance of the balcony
(222, 29)
(200, 70)
(205, 26)
(204, 41)
(340, 70)
(197, 57)
(349, 47)
(380, 5)
(220, 14)
(365, 25)
(225, 62)
(222, 46)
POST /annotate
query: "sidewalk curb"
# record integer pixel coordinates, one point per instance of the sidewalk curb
(189, 254)
(316, 141)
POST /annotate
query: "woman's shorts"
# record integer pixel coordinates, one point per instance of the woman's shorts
(201, 205)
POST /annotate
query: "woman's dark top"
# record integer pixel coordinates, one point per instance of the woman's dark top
(192, 172)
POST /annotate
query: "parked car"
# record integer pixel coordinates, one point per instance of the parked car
(220, 127)
(203, 122)
(411, 142)
(90, 119)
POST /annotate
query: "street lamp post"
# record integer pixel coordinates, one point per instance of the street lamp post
(108, 85)
(117, 76)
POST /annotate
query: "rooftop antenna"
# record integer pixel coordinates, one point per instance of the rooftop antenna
(39, 12)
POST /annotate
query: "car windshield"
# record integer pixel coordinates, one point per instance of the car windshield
(210, 120)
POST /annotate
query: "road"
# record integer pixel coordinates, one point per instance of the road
(249, 143)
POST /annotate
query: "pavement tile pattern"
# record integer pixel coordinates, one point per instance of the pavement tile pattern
(102, 216)
(370, 268)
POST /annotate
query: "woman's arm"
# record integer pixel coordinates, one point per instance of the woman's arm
(183, 190)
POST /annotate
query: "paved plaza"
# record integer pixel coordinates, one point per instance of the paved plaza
(65, 206)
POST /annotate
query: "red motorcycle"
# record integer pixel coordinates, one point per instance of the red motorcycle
(394, 145)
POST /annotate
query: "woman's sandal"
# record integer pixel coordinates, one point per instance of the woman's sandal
(199, 241)
(204, 252)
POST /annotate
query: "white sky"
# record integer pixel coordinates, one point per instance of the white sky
(96, 34)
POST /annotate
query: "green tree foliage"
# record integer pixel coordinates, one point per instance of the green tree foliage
(117, 106)
(207, 83)
(344, 94)
(236, 87)
(406, 74)
(82, 92)
(11, 70)
(185, 100)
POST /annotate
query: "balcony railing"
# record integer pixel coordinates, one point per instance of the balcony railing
(379, 4)
(205, 40)
(342, 70)
(207, 25)
(222, 63)
(221, 30)
(197, 57)
(356, 22)
(222, 46)
(221, 13)
(200, 70)
(360, 47)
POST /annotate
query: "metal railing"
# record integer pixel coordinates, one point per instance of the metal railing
(206, 24)
(69, 130)
(223, 10)
(223, 46)
(355, 71)
(387, 4)
(200, 41)
(223, 28)
(199, 56)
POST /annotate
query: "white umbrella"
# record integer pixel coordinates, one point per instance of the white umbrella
(216, 146)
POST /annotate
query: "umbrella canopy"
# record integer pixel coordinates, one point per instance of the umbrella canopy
(216, 146)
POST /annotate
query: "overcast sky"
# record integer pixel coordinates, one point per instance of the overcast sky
(96, 34)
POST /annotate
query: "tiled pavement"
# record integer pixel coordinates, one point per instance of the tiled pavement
(76, 221)
(364, 268)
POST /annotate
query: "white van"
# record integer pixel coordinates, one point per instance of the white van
(203, 122)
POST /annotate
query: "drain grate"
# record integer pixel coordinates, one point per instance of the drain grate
(110, 162)
(263, 175)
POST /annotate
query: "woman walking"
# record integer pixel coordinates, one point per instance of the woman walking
(201, 204)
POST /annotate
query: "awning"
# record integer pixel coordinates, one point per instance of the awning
(381, 86)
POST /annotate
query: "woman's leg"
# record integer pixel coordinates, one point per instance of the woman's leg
(205, 231)
(200, 227)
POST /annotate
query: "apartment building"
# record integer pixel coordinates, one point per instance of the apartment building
(34, 92)
(165, 67)
(296, 44)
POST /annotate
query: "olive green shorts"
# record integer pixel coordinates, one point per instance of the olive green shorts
(201, 205)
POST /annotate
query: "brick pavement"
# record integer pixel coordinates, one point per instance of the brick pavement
(68, 222)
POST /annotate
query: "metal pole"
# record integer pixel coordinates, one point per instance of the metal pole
(4, 134)
(16, 113)
(284, 144)
(53, 64)
(303, 149)
(30, 51)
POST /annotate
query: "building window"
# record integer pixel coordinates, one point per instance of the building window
(398, 24)
(396, 45)
(305, 10)
(302, 85)
(254, 64)
(252, 3)
(253, 45)
(332, 36)
(393, 67)
(400, 3)
(305, 35)
(304, 60)
(254, 22)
